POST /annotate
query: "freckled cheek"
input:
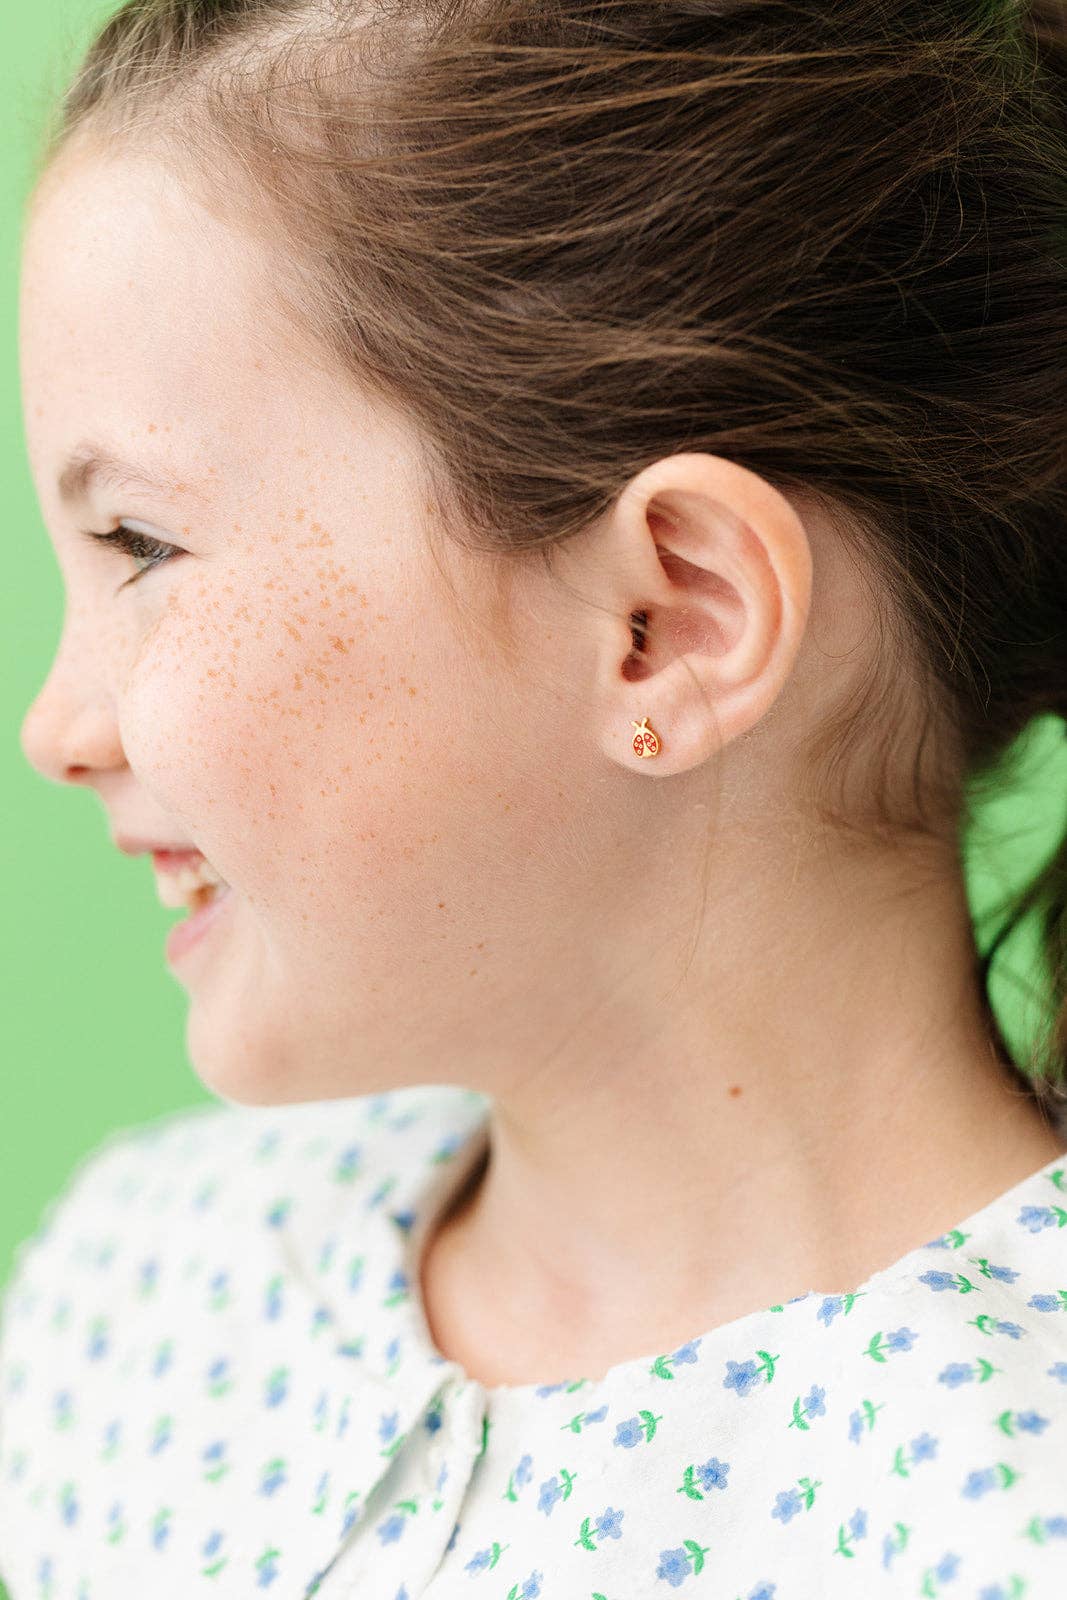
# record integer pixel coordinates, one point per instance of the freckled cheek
(290, 750)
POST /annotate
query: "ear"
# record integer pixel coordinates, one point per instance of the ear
(717, 567)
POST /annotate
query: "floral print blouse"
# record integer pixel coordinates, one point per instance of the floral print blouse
(216, 1378)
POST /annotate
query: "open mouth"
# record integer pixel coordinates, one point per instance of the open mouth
(186, 878)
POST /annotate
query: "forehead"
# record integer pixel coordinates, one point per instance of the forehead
(139, 310)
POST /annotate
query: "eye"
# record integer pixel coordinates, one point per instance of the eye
(141, 546)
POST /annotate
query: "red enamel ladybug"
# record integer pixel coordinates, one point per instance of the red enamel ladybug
(646, 742)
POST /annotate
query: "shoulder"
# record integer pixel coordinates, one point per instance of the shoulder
(176, 1291)
(161, 1180)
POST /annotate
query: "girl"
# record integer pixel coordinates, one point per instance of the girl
(560, 501)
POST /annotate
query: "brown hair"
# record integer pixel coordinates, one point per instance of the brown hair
(828, 241)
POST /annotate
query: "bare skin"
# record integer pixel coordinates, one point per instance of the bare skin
(447, 863)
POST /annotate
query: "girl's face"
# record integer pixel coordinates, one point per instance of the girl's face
(294, 694)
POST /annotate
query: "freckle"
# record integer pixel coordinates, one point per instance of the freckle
(298, 516)
(151, 427)
(734, 1090)
(440, 905)
(412, 689)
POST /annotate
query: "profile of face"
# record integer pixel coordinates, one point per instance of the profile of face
(293, 693)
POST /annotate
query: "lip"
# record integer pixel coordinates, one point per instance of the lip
(172, 860)
(189, 932)
(131, 846)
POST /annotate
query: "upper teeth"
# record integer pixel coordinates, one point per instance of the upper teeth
(178, 886)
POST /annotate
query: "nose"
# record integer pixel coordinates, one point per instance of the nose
(70, 732)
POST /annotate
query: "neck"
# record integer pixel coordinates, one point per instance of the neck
(772, 1123)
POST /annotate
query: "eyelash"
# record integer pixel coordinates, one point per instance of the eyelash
(141, 546)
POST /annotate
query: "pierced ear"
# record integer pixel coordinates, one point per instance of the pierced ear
(719, 564)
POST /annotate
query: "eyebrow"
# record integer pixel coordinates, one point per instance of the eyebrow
(90, 466)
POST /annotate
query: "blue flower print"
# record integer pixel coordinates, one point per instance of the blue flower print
(1030, 1422)
(811, 1406)
(789, 1501)
(391, 1529)
(847, 1534)
(829, 1308)
(397, 1287)
(880, 1343)
(68, 1505)
(686, 1354)
(893, 1544)
(677, 1565)
(744, 1376)
(786, 1505)
(519, 1478)
(388, 1423)
(1049, 1302)
(1058, 1370)
(987, 1479)
(219, 1284)
(266, 1565)
(274, 1476)
(635, 1430)
(98, 1343)
(581, 1418)
(940, 1281)
(606, 1526)
(219, 1381)
(1035, 1218)
(955, 1373)
(1000, 1274)
(277, 1387)
(712, 1474)
(273, 1304)
(901, 1339)
(485, 1560)
(945, 1570)
(210, 1550)
(551, 1491)
(529, 1590)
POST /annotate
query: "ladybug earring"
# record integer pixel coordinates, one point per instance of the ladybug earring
(646, 742)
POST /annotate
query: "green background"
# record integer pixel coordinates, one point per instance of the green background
(93, 1020)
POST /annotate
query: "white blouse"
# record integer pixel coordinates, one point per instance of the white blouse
(216, 1377)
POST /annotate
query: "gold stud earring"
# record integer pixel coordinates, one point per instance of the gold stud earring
(646, 741)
